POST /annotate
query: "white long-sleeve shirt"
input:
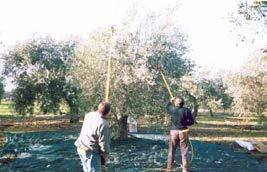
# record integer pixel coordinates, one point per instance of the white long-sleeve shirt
(94, 134)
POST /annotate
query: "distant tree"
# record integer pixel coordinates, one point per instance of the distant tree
(248, 87)
(215, 96)
(190, 89)
(2, 91)
(40, 69)
(207, 93)
(249, 19)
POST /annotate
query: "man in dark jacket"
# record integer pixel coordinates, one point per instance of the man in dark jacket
(181, 117)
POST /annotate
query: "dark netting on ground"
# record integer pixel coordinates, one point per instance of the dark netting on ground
(54, 151)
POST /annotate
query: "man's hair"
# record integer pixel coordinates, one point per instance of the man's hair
(182, 100)
(104, 108)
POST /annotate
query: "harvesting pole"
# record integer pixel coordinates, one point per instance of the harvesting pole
(109, 66)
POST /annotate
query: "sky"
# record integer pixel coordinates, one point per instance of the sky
(213, 41)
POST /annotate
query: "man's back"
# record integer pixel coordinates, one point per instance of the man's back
(94, 140)
(94, 133)
(181, 117)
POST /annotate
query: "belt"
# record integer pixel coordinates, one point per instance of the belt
(182, 130)
(185, 130)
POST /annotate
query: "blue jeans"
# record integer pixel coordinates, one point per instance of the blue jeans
(90, 160)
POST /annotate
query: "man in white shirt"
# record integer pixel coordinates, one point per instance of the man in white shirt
(93, 144)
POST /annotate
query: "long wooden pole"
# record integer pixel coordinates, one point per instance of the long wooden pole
(166, 84)
(109, 66)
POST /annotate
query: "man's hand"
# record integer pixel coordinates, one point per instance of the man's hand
(172, 99)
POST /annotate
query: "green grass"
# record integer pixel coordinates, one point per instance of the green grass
(6, 108)
(222, 128)
(7, 111)
(227, 128)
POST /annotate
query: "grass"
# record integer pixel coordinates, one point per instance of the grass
(222, 128)
(226, 128)
(11, 121)
(6, 108)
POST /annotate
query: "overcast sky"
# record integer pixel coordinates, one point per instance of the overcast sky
(213, 41)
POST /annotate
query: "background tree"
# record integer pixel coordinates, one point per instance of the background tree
(190, 89)
(207, 93)
(1, 88)
(215, 96)
(40, 69)
(249, 19)
(248, 87)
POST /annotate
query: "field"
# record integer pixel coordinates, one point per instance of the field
(223, 127)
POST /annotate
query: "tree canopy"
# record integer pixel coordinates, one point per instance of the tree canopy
(40, 69)
(136, 85)
(248, 87)
(207, 93)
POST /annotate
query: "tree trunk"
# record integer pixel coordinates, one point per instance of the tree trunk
(74, 118)
(74, 111)
(261, 119)
(74, 114)
(211, 112)
(123, 131)
(195, 113)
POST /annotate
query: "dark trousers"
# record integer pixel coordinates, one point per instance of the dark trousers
(178, 136)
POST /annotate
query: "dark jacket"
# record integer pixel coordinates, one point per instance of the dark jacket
(181, 117)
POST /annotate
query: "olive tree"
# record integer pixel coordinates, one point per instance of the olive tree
(40, 69)
(248, 87)
(207, 93)
(1, 89)
(136, 86)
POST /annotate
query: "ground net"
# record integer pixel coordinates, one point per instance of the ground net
(54, 151)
